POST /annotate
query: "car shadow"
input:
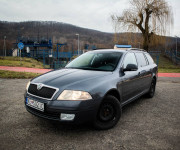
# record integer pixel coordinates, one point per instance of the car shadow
(56, 126)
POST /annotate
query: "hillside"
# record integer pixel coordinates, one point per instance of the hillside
(57, 31)
(66, 33)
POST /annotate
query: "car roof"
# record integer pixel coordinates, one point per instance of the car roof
(107, 50)
(118, 50)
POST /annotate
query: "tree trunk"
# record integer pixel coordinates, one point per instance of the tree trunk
(146, 41)
(145, 45)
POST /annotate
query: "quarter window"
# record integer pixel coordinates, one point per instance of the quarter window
(141, 59)
(149, 58)
(130, 59)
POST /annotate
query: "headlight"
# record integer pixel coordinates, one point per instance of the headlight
(74, 95)
(27, 86)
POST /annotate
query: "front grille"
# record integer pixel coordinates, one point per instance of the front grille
(50, 115)
(44, 92)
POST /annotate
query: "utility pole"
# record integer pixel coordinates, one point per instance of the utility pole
(4, 46)
(78, 43)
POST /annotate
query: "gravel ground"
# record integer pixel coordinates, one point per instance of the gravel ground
(145, 123)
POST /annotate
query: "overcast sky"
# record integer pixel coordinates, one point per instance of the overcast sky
(93, 14)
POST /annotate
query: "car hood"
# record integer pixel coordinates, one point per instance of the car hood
(65, 78)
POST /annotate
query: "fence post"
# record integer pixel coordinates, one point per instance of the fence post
(157, 60)
(43, 58)
(54, 64)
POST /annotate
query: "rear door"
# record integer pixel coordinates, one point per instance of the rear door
(143, 72)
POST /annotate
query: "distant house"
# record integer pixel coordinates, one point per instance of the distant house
(15, 52)
(122, 47)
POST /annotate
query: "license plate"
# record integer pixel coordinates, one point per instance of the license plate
(35, 104)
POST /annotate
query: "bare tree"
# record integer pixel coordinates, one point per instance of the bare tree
(150, 17)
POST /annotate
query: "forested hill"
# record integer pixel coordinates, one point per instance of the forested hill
(57, 31)
(66, 33)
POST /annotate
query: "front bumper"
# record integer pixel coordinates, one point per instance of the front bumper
(84, 110)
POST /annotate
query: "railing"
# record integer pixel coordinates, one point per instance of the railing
(174, 56)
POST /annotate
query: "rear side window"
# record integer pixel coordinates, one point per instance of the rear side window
(149, 58)
(141, 59)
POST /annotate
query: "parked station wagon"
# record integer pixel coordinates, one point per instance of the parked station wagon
(93, 87)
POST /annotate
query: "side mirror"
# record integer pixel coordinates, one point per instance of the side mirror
(131, 67)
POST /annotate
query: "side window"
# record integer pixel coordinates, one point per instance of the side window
(141, 59)
(129, 59)
(149, 58)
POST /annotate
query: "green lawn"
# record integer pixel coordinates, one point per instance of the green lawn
(25, 62)
(17, 75)
(167, 66)
(15, 62)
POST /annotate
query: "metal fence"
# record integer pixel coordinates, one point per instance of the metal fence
(51, 59)
(8, 52)
(174, 56)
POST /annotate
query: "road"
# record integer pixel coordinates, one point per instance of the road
(145, 123)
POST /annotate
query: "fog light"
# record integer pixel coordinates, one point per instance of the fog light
(67, 117)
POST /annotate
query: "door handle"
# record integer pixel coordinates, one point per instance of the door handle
(141, 72)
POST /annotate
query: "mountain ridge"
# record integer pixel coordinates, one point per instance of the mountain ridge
(59, 32)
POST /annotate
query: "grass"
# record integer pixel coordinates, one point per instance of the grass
(167, 66)
(17, 75)
(25, 62)
(168, 70)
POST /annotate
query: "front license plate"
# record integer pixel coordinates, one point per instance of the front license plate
(35, 104)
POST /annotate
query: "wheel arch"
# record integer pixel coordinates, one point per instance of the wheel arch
(113, 92)
(154, 77)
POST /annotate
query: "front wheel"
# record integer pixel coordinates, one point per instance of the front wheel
(109, 113)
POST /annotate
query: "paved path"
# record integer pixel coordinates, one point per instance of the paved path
(36, 70)
(145, 124)
(168, 74)
(24, 69)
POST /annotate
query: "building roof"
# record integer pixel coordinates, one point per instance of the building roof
(123, 46)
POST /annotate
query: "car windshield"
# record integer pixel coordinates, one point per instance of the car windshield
(101, 61)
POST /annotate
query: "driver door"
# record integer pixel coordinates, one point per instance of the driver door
(129, 84)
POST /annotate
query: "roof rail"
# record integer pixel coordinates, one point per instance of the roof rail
(137, 49)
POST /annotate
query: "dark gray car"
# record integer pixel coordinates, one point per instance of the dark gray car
(93, 87)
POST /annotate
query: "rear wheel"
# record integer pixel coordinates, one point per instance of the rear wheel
(109, 113)
(151, 92)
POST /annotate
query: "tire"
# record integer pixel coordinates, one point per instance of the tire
(108, 114)
(152, 89)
